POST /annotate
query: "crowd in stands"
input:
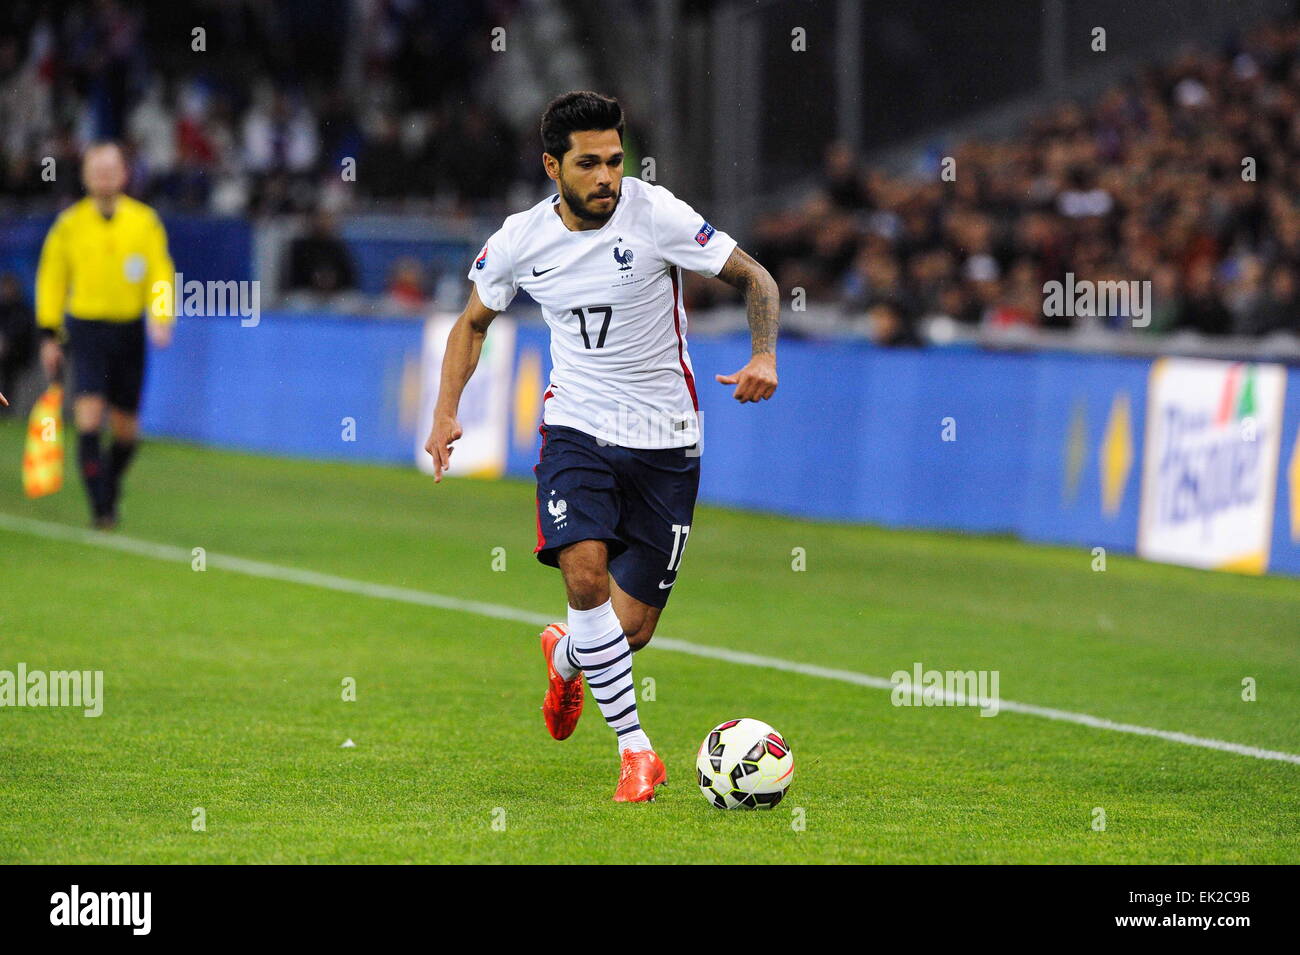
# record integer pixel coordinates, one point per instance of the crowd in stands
(243, 107)
(1186, 176)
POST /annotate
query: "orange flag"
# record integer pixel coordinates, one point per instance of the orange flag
(43, 455)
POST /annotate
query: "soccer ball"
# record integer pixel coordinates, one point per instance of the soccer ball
(744, 764)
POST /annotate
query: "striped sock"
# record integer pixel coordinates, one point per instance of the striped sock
(599, 647)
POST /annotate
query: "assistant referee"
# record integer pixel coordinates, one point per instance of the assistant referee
(98, 267)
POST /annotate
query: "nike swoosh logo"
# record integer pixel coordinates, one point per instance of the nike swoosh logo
(543, 271)
(665, 586)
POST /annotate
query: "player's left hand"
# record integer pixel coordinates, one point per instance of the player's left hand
(3, 400)
(160, 333)
(756, 381)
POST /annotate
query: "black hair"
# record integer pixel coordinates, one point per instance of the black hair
(578, 111)
(104, 144)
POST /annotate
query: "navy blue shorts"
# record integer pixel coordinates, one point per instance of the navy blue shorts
(639, 502)
(108, 359)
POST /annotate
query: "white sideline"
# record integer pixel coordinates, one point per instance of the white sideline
(310, 578)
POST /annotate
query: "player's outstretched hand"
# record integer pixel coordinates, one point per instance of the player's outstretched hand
(3, 400)
(756, 381)
(446, 429)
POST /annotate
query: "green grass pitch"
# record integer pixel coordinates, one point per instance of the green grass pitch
(224, 691)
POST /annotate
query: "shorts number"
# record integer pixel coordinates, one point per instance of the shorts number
(680, 533)
(604, 326)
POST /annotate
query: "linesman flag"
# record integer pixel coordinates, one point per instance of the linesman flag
(43, 454)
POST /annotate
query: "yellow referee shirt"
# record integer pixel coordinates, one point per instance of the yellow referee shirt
(100, 268)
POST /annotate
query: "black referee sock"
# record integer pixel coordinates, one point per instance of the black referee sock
(119, 459)
(92, 472)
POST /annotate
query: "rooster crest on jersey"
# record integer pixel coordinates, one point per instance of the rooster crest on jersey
(623, 259)
(558, 509)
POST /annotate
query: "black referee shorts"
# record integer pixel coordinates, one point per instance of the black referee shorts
(108, 359)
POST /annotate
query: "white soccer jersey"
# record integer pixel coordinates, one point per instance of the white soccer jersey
(613, 300)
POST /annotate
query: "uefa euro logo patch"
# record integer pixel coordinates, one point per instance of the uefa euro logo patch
(481, 260)
(705, 234)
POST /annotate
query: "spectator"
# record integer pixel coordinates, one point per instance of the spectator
(319, 261)
(383, 170)
(1167, 303)
(1203, 310)
(887, 327)
(406, 284)
(1279, 309)
(17, 335)
(843, 178)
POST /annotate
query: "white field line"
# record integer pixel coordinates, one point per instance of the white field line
(310, 578)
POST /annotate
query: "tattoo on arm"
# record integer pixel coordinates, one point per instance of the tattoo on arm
(762, 298)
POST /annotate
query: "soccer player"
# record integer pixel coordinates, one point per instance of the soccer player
(620, 466)
(98, 266)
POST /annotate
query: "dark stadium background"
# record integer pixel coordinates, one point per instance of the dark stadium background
(351, 157)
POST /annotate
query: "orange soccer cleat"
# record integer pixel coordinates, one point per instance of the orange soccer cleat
(639, 775)
(563, 703)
